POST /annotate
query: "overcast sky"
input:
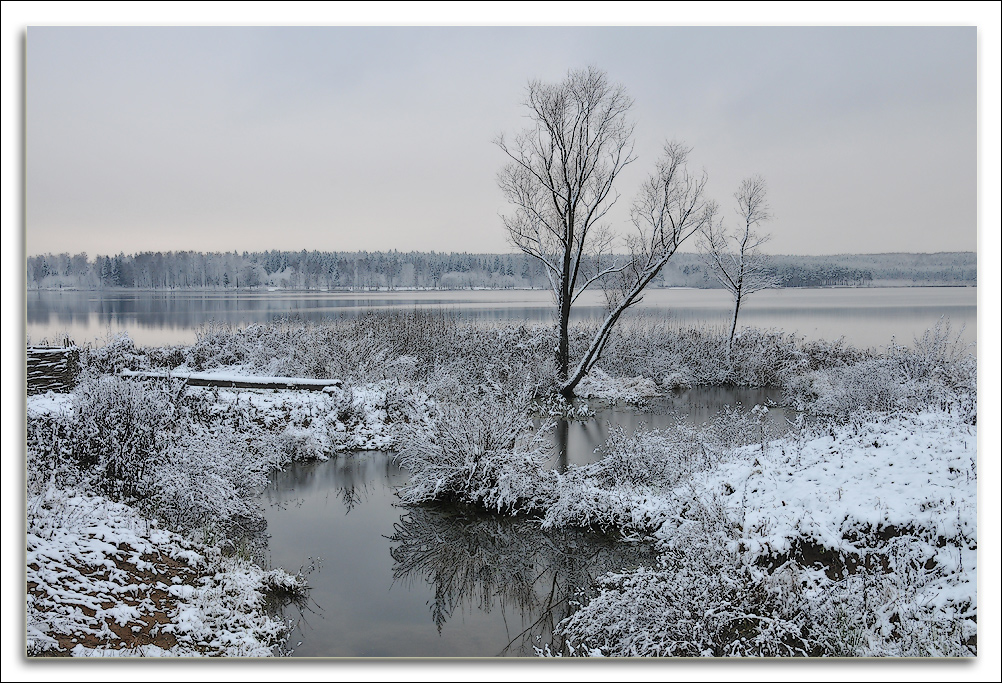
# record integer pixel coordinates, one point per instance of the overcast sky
(350, 138)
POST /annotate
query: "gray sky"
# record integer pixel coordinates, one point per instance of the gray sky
(348, 138)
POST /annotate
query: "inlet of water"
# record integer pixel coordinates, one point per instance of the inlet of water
(439, 581)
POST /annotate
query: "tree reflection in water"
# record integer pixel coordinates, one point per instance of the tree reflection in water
(478, 561)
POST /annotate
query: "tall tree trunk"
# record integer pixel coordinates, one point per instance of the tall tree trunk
(566, 297)
(734, 323)
(563, 343)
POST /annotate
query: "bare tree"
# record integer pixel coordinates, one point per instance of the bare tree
(560, 180)
(734, 257)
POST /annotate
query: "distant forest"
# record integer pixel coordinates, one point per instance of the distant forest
(359, 271)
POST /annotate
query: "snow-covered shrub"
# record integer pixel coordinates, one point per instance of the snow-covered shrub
(207, 477)
(763, 358)
(213, 347)
(155, 446)
(118, 353)
(123, 428)
(552, 405)
(684, 356)
(679, 379)
(632, 488)
(736, 426)
(513, 358)
(299, 444)
(482, 451)
(894, 607)
(598, 384)
(339, 349)
(50, 453)
(167, 357)
(703, 599)
(655, 458)
(841, 392)
(822, 354)
(936, 354)
(939, 371)
(348, 411)
(659, 348)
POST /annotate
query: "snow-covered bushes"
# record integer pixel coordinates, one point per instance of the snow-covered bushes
(851, 540)
(634, 487)
(216, 344)
(153, 446)
(123, 429)
(938, 372)
(702, 599)
(687, 356)
(316, 425)
(432, 348)
(482, 451)
(903, 610)
(443, 354)
(840, 392)
(207, 477)
(118, 353)
(658, 348)
(656, 458)
(764, 358)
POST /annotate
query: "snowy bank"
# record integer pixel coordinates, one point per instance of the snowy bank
(103, 581)
(858, 542)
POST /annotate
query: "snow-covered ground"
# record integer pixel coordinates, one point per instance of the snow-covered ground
(914, 473)
(873, 527)
(102, 581)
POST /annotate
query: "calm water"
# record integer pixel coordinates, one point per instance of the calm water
(866, 317)
(575, 442)
(392, 581)
(388, 581)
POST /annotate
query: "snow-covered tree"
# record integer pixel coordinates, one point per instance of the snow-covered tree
(734, 257)
(560, 179)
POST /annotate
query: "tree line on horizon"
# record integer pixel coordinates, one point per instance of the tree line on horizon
(361, 271)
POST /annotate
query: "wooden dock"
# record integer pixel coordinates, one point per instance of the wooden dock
(208, 380)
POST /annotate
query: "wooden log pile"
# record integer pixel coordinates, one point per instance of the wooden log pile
(52, 369)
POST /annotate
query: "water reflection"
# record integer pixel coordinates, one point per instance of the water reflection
(445, 581)
(578, 442)
(474, 561)
(389, 581)
(866, 317)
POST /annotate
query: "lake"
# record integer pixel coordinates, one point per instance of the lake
(865, 316)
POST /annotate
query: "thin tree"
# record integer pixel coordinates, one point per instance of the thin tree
(734, 257)
(560, 179)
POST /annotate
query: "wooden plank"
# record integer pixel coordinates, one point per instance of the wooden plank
(198, 380)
